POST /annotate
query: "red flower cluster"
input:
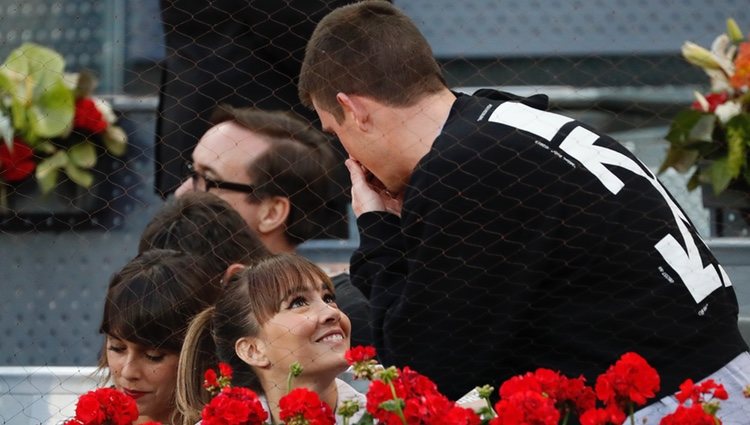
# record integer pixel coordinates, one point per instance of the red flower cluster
(88, 117)
(304, 407)
(234, 406)
(104, 406)
(630, 380)
(546, 397)
(16, 164)
(360, 354)
(213, 382)
(702, 405)
(693, 415)
(526, 407)
(417, 399)
(566, 394)
(697, 392)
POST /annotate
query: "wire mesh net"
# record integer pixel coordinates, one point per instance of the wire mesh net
(88, 161)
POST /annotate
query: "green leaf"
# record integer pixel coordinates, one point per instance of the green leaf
(35, 61)
(83, 154)
(366, 419)
(681, 160)
(703, 130)
(53, 109)
(41, 105)
(720, 175)
(392, 405)
(79, 176)
(48, 169)
(738, 137)
(115, 140)
(679, 131)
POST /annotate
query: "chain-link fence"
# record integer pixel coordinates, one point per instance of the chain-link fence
(78, 189)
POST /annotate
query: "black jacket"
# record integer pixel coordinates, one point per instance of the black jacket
(528, 240)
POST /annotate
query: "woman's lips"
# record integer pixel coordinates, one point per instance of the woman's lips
(134, 394)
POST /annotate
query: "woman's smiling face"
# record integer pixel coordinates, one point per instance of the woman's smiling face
(309, 329)
(147, 374)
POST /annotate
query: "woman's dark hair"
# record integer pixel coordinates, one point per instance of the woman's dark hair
(251, 298)
(153, 298)
(206, 226)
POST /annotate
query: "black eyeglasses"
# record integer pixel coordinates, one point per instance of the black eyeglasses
(201, 183)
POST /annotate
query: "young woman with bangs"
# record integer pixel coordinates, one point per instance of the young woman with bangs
(279, 311)
(148, 305)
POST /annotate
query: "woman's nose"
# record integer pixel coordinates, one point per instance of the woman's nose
(131, 369)
(329, 313)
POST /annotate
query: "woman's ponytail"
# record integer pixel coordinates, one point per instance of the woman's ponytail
(197, 355)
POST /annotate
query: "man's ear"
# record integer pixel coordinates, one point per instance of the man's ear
(252, 351)
(273, 213)
(356, 109)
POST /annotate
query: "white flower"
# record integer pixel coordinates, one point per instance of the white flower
(6, 130)
(70, 79)
(726, 111)
(701, 101)
(106, 109)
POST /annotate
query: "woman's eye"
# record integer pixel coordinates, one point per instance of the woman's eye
(298, 302)
(329, 298)
(155, 357)
(116, 349)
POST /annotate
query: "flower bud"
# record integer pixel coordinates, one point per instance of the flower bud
(699, 56)
(733, 31)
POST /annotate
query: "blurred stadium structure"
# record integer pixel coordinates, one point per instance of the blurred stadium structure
(615, 65)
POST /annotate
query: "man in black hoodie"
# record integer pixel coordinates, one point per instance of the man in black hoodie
(496, 237)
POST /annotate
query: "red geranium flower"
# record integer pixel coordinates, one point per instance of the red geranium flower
(88, 117)
(608, 416)
(17, 164)
(693, 415)
(630, 379)
(567, 394)
(360, 354)
(210, 380)
(304, 407)
(234, 406)
(526, 407)
(697, 393)
(105, 406)
(225, 370)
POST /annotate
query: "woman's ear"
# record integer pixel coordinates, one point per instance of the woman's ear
(252, 351)
(232, 270)
(274, 212)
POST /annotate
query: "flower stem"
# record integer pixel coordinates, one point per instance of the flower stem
(567, 416)
(632, 414)
(399, 411)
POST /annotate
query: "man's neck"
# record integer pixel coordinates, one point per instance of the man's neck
(415, 128)
(277, 244)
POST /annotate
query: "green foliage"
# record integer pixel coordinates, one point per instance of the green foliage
(718, 150)
(31, 82)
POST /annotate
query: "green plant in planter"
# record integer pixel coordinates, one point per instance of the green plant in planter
(714, 134)
(54, 115)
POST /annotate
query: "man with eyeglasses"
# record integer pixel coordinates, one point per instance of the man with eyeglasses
(273, 168)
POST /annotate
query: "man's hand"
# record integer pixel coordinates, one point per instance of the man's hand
(369, 193)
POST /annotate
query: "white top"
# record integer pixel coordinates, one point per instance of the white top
(345, 392)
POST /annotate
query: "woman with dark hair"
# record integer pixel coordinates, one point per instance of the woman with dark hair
(279, 311)
(146, 311)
